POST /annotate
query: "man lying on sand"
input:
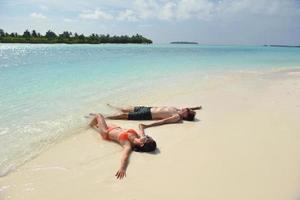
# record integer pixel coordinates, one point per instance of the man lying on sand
(164, 114)
(129, 139)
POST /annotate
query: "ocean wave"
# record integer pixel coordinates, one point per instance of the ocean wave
(24, 142)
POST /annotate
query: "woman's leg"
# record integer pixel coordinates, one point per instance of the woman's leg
(99, 124)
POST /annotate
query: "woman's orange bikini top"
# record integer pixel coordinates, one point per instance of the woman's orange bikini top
(124, 135)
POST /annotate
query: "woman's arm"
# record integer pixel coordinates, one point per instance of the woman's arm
(142, 130)
(121, 173)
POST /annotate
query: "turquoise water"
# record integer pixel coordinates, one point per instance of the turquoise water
(46, 89)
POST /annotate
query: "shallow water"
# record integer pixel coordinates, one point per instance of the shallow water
(45, 90)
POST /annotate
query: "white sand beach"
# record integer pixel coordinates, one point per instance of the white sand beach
(244, 145)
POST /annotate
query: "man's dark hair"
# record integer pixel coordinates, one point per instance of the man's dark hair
(150, 145)
(190, 116)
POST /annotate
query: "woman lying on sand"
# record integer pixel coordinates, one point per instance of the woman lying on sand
(129, 139)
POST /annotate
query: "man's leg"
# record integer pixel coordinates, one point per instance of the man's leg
(124, 110)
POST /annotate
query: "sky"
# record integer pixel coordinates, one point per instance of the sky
(251, 22)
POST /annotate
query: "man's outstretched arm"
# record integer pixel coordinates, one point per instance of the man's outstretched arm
(172, 119)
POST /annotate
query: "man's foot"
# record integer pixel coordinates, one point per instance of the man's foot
(93, 114)
(123, 110)
(109, 105)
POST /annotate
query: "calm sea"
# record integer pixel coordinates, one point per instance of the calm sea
(45, 90)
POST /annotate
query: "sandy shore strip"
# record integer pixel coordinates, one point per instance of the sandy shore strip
(245, 145)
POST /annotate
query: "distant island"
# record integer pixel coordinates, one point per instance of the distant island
(69, 38)
(183, 42)
(271, 45)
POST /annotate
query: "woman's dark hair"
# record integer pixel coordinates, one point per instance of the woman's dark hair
(150, 145)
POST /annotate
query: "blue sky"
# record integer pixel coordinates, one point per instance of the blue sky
(163, 21)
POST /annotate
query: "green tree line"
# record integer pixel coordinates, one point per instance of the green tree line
(69, 38)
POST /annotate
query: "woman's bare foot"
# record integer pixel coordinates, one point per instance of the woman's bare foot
(94, 122)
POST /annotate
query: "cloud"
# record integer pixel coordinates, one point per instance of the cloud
(146, 9)
(201, 9)
(38, 15)
(209, 9)
(172, 10)
(167, 11)
(128, 15)
(145, 25)
(261, 7)
(68, 20)
(96, 15)
(43, 7)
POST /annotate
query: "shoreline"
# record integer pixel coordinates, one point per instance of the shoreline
(213, 78)
(245, 140)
